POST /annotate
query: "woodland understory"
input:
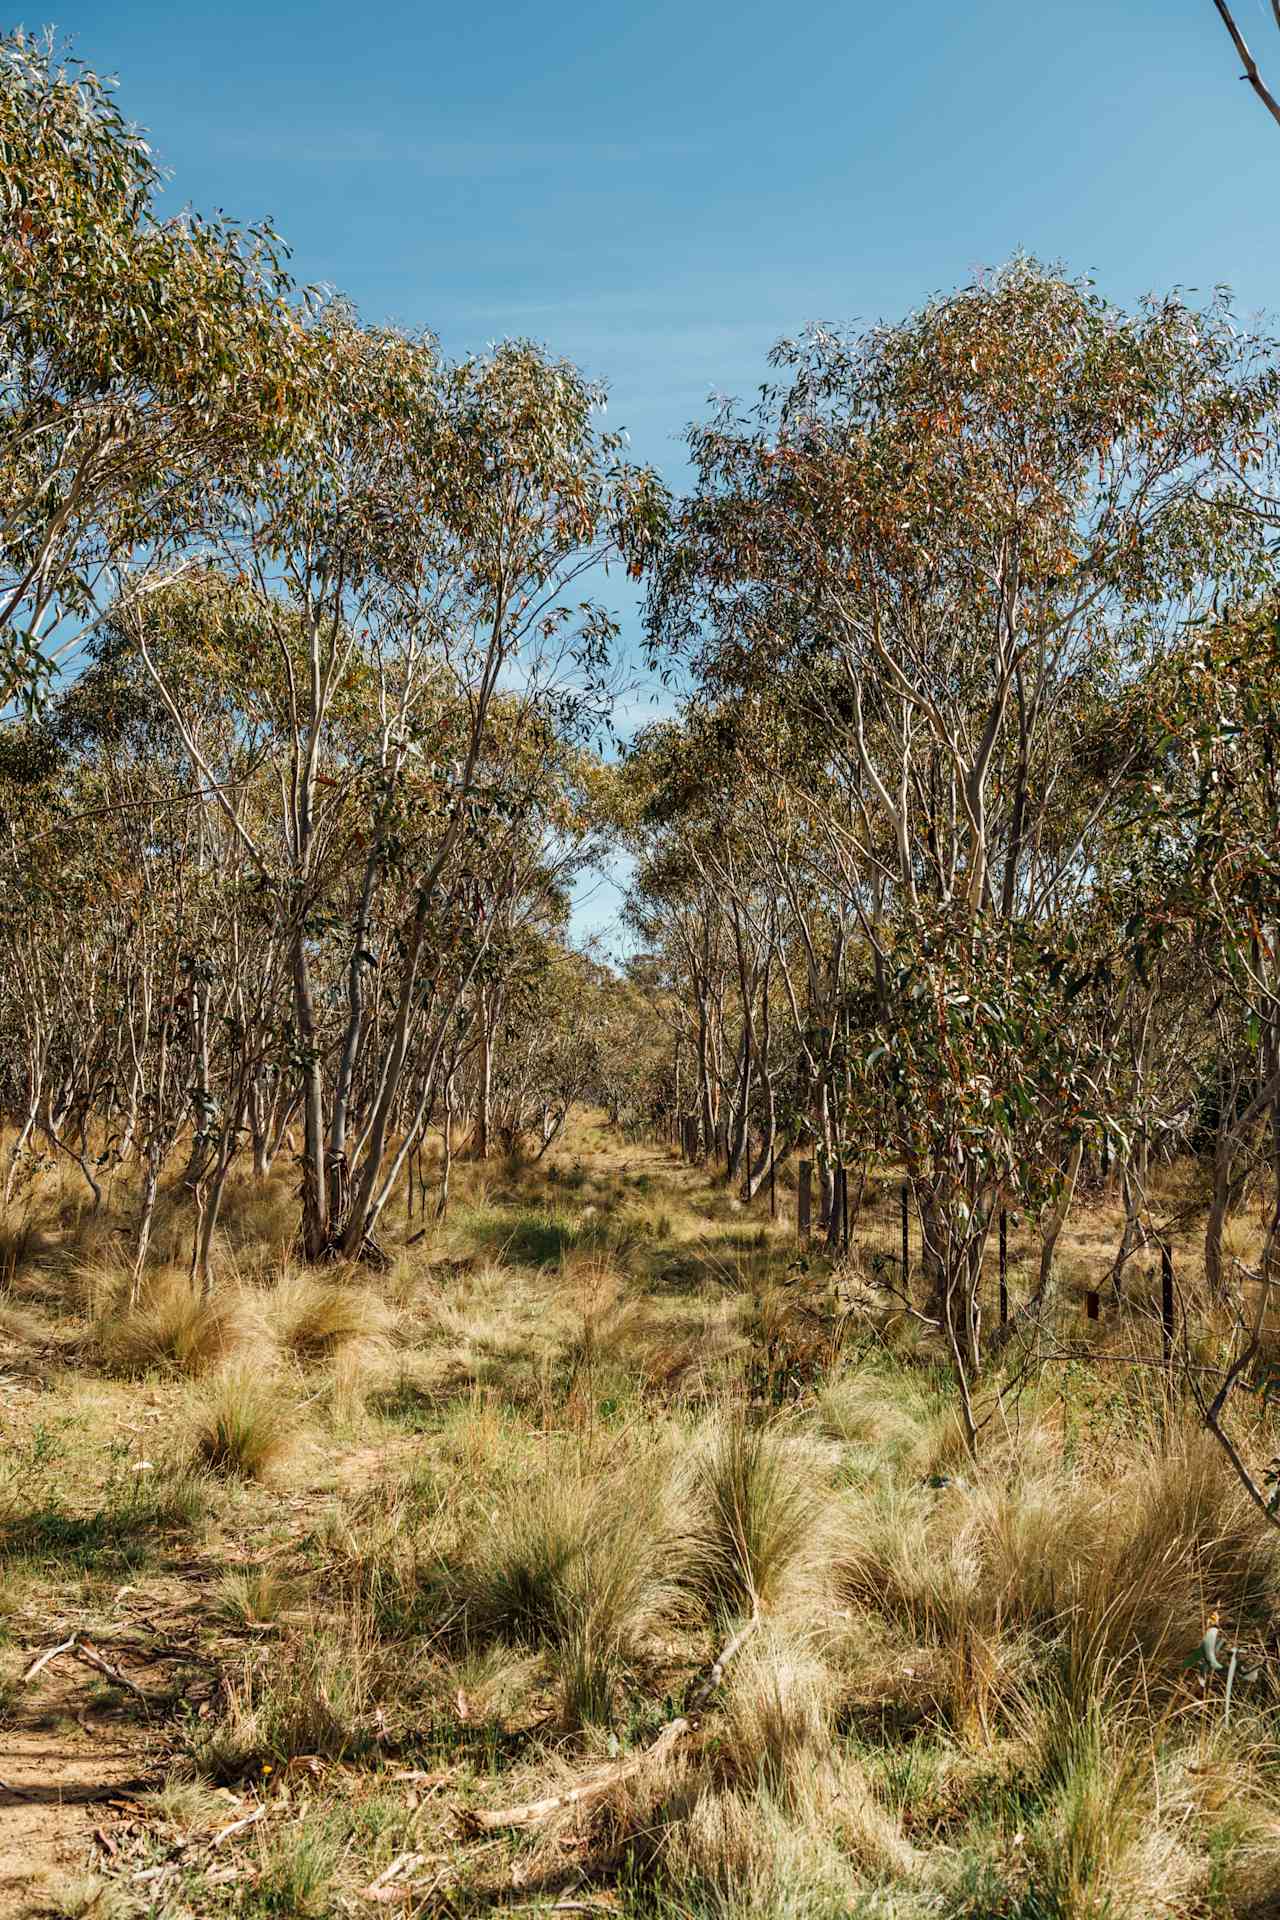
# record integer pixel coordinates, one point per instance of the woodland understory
(415, 1587)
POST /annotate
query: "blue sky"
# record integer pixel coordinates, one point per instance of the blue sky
(659, 190)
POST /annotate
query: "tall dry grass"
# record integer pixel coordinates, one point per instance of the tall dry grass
(546, 1478)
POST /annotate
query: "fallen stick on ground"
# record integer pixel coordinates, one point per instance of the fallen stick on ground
(403, 1863)
(42, 1660)
(90, 1657)
(530, 1812)
(237, 1826)
(87, 1654)
(565, 1906)
(722, 1659)
(184, 1848)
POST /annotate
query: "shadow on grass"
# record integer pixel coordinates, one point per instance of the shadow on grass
(116, 1539)
(413, 1408)
(534, 1239)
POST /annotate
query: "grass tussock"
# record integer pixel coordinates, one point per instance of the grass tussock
(242, 1424)
(315, 1318)
(315, 1693)
(579, 1563)
(754, 1515)
(172, 1326)
(779, 1710)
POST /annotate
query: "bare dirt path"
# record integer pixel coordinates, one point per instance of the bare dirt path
(66, 1780)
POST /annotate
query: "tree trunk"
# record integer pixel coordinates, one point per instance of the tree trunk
(442, 1205)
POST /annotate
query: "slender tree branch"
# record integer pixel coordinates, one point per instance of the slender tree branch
(1247, 60)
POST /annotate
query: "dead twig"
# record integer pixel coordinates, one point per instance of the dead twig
(90, 1657)
(531, 1812)
(237, 1826)
(87, 1654)
(717, 1670)
(165, 1870)
(37, 1665)
(564, 1906)
(382, 1889)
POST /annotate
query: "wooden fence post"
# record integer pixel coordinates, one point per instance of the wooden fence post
(804, 1200)
(1004, 1268)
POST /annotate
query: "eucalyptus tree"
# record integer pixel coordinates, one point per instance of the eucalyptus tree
(935, 541)
(674, 910)
(1209, 814)
(422, 552)
(140, 358)
(727, 877)
(142, 967)
(556, 1035)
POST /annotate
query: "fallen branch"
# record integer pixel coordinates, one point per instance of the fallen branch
(184, 1848)
(565, 1906)
(531, 1812)
(716, 1674)
(87, 1654)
